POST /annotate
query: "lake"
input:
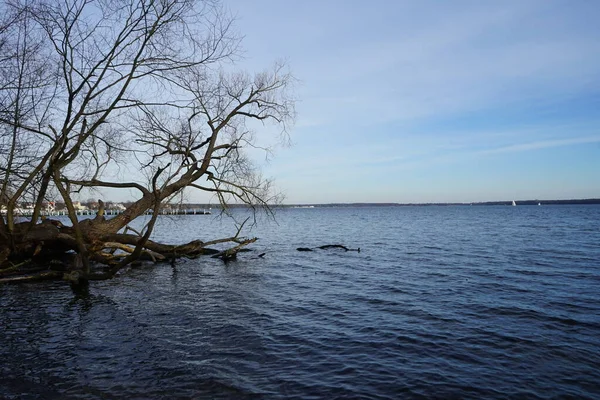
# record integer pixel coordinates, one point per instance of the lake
(441, 302)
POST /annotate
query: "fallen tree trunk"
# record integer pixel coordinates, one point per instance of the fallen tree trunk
(49, 250)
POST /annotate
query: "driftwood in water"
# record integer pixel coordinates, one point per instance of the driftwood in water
(337, 246)
(329, 246)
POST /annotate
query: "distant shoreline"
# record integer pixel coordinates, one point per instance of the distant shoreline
(482, 203)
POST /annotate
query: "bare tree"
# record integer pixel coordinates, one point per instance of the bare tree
(90, 85)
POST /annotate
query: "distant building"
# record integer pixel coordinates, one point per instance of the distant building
(117, 206)
(78, 206)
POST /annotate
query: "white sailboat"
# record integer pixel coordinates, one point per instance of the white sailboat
(514, 204)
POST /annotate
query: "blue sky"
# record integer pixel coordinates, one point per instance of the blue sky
(433, 101)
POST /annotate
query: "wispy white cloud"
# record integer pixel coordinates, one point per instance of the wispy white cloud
(542, 144)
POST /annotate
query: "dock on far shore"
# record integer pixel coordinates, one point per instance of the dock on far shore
(170, 211)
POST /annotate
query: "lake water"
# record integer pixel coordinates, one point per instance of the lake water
(441, 302)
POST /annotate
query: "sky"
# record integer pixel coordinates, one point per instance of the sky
(433, 101)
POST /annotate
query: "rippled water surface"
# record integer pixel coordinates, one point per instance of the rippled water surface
(441, 302)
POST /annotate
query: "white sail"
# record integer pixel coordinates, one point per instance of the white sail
(514, 204)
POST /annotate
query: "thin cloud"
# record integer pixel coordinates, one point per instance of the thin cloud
(542, 145)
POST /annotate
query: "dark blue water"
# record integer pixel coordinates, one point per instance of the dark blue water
(441, 302)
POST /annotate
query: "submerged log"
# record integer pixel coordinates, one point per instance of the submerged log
(337, 246)
(329, 246)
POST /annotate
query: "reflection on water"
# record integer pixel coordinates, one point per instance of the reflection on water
(462, 302)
